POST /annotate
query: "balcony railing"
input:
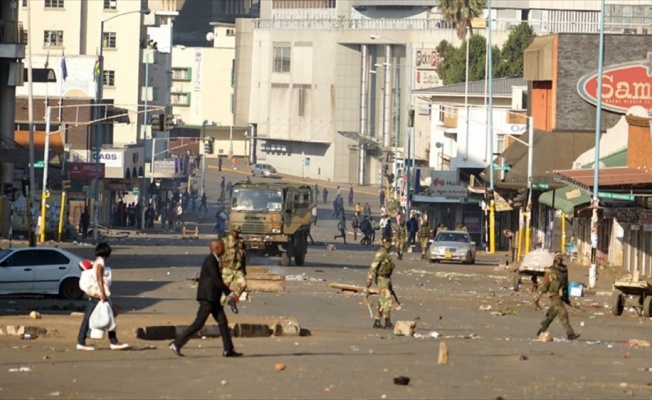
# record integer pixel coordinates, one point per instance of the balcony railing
(12, 32)
(352, 24)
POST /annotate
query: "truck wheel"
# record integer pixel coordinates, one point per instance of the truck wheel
(617, 303)
(647, 303)
(285, 259)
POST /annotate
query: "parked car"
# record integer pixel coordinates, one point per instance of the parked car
(40, 270)
(265, 170)
(452, 246)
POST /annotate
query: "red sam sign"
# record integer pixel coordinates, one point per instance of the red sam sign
(85, 170)
(623, 86)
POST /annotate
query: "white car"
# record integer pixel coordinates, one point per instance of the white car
(265, 170)
(40, 270)
(452, 246)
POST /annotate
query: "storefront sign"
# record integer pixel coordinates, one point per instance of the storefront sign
(85, 170)
(623, 86)
(110, 158)
(447, 184)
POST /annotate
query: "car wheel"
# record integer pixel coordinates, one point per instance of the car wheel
(69, 289)
(253, 173)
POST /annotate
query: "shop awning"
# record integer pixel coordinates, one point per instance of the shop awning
(565, 198)
(606, 177)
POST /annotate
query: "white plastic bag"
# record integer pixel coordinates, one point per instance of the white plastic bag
(102, 317)
(88, 282)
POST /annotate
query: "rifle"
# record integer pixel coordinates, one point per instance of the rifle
(391, 290)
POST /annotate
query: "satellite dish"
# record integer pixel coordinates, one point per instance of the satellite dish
(210, 36)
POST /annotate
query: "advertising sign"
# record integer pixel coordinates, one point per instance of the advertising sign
(426, 63)
(623, 86)
(110, 158)
(447, 184)
(85, 170)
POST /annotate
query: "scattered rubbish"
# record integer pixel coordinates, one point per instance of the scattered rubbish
(523, 358)
(55, 394)
(327, 389)
(330, 247)
(28, 336)
(401, 380)
(443, 354)
(35, 315)
(319, 270)
(488, 378)
(405, 328)
(371, 351)
(224, 382)
(355, 348)
(545, 337)
(582, 323)
(485, 307)
(626, 355)
(279, 367)
(647, 369)
(21, 369)
(638, 343)
(497, 313)
(46, 357)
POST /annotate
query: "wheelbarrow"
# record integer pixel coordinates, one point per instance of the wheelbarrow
(624, 289)
(533, 273)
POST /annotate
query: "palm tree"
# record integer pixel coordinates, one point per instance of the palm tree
(461, 13)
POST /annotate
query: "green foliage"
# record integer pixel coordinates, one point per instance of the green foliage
(507, 62)
(461, 13)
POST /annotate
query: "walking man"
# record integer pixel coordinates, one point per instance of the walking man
(424, 236)
(380, 272)
(313, 210)
(350, 195)
(203, 202)
(341, 226)
(219, 163)
(325, 195)
(209, 290)
(234, 264)
(381, 196)
(84, 221)
(400, 235)
(555, 285)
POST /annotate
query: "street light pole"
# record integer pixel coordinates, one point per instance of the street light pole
(99, 82)
(203, 161)
(142, 186)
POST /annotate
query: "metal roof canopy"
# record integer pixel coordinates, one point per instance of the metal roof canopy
(565, 198)
(41, 75)
(583, 178)
(366, 140)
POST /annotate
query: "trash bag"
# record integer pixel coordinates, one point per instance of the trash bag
(102, 317)
(538, 259)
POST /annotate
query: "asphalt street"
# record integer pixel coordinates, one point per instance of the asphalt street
(488, 327)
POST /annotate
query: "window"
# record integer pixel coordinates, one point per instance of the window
(500, 143)
(20, 259)
(24, 3)
(180, 99)
(281, 59)
(50, 257)
(230, 32)
(181, 74)
(108, 40)
(109, 78)
(110, 4)
(53, 38)
(53, 3)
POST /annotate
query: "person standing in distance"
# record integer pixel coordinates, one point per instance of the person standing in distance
(380, 271)
(555, 285)
(424, 236)
(209, 290)
(234, 264)
(103, 278)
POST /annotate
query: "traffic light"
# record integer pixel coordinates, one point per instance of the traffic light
(520, 199)
(390, 178)
(157, 121)
(385, 169)
(168, 122)
(390, 158)
(208, 146)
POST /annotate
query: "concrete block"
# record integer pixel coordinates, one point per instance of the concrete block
(2, 331)
(251, 330)
(268, 283)
(156, 332)
(545, 337)
(211, 331)
(443, 354)
(405, 328)
(15, 330)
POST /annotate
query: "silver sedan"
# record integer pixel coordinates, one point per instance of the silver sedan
(452, 246)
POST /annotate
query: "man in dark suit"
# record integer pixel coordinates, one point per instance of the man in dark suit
(209, 291)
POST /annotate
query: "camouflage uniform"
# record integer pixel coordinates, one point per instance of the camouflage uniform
(234, 263)
(424, 237)
(380, 271)
(400, 235)
(555, 285)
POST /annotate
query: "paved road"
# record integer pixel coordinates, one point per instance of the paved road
(493, 353)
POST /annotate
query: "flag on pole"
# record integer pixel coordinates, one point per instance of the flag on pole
(96, 70)
(64, 68)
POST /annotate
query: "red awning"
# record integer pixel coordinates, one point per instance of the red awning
(606, 177)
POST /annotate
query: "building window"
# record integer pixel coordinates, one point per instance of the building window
(24, 3)
(181, 74)
(109, 40)
(500, 143)
(230, 32)
(53, 38)
(53, 3)
(110, 4)
(180, 99)
(281, 59)
(109, 78)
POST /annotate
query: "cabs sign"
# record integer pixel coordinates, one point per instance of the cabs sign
(623, 86)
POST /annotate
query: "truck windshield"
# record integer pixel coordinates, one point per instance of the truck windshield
(257, 200)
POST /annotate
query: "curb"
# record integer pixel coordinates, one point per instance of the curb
(239, 330)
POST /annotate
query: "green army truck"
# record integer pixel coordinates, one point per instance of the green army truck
(274, 219)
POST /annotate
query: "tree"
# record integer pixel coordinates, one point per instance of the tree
(461, 13)
(514, 48)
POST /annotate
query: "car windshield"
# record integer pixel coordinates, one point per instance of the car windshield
(257, 200)
(452, 237)
(4, 253)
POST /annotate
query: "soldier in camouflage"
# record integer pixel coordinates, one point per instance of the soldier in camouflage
(400, 236)
(380, 272)
(234, 262)
(555, 285)
(424, 236)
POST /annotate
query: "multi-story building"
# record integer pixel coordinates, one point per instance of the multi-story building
(324, 98)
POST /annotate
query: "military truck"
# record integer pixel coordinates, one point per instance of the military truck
(274, 218)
